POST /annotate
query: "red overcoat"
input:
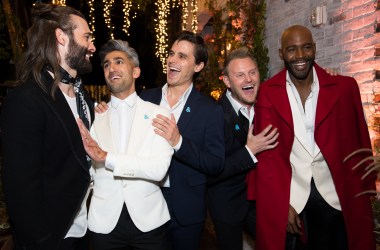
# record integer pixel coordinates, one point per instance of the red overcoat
(340, 129)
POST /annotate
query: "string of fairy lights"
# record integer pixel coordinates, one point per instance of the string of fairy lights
(92, 16)
(194, 19)
(185, 10)
(162, 31)
(59, 2)
(127, 4)
(163, 8)
(189, 8)
(107, 16)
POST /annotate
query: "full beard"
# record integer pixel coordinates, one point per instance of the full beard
(76, 58)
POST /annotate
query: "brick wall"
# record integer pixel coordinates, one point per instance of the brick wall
(347, 42)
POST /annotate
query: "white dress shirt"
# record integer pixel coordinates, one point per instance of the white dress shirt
(122, 113)
(307, 114)
(248, 113)
(176, 110)
(79, 227)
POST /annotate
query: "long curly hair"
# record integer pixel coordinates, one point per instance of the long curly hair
(42, 48)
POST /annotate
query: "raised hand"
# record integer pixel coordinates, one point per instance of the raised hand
(90, 145)
(265, 140)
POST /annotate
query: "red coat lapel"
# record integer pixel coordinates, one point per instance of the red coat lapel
(328, 95)
(279, 98)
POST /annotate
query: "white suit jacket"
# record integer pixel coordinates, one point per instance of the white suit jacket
(307, 163)
(136, 175)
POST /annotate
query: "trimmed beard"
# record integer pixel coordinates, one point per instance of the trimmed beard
(76, 58)
(301, 75)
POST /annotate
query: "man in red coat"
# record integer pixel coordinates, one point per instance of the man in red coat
(305, 191)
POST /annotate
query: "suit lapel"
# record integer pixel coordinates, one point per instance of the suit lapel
(157, 96)
(141, 124)
(189, 109)
(280, 102)
(327, 98)
(90, 104)
(233, 122)
(102, 127)
(299, 127)
(64, 114)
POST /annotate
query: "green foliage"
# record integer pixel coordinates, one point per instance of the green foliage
(238, 23)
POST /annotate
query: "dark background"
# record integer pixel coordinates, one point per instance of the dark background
(141, 37)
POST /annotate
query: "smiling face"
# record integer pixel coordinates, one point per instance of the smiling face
(298, 52)
(120, 74)
(80, 47)
(243, 80)
(181, 65)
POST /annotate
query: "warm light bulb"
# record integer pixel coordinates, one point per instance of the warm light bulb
(59, 2)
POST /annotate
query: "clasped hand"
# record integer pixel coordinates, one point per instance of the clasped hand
(167, 128)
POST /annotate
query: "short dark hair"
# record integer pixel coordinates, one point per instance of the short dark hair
(119, 45)
(239, 53)
(200, 52)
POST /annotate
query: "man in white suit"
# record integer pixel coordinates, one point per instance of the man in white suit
(128, 210)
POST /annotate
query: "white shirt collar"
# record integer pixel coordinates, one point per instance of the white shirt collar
(182, 99)
(130, 100)
(237, 106)
(314, 85)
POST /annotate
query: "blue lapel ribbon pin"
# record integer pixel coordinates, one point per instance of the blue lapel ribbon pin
(188, 109)
(237, 127)
(146, 117)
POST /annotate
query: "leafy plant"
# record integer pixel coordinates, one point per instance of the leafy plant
(238, 23)
(372, 167)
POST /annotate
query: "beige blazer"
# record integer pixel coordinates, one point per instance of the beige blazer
(307, 163)
(136, 175)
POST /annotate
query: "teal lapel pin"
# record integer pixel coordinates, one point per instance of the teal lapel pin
(237, 127)
(188, 109)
